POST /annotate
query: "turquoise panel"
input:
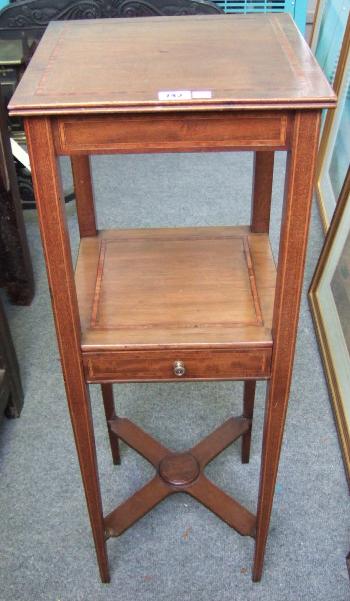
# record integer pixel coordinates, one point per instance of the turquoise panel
(296, 8)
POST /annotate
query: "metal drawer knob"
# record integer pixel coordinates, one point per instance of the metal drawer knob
(179, 368)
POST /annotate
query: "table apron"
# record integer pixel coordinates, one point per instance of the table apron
(176, 132)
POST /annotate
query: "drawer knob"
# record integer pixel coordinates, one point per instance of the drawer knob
(179, 368)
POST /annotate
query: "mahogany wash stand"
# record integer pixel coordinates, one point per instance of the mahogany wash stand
(184, 303)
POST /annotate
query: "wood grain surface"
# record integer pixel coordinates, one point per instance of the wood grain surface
(180, 472)
(171, 132)
(151, 366)
(294, 233)
(57, 251)
(173, 288)
(227, 61)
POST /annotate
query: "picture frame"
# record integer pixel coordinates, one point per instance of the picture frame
(329, 297)
(327, 34)
(334, 151)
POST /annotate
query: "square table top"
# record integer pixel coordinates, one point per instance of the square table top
(166, 63)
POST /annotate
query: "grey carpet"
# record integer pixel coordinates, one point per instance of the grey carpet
(180, 551)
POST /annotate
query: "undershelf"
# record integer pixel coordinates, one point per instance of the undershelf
(175, 288)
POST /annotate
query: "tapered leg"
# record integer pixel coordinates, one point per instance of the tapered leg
(108, 402)
(293, 241)
(52, 219)
(84, 195)
(248, 410)
(259, 224)
(262, 190)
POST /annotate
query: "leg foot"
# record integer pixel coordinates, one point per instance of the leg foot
(256, 576)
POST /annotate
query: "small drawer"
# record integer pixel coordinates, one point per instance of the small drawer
(172, 132)
(180, 365)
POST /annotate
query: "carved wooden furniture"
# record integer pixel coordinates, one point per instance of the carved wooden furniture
(16, 271)
(186, 303)
(29, 18)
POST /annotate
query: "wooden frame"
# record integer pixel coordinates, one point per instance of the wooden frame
(315, 24)
(328, 328)
(315, 36)
(341, 86)
(16, 270)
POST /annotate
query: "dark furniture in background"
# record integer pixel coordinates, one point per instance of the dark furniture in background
(11, 392)
(16, 272)
(31, 17)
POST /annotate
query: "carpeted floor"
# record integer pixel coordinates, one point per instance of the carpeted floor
(180, 551)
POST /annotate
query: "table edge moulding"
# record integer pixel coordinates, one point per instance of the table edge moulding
(145, 305)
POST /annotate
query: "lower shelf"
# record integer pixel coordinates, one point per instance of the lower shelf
(200, 296)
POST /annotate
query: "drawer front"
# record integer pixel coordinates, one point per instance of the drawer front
(147, 366)
(181, 132)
